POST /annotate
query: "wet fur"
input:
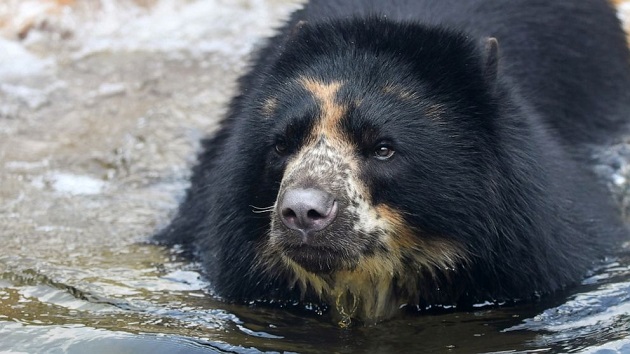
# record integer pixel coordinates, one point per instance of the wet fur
(490, 195)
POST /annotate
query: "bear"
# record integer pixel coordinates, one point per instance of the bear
(397, 154)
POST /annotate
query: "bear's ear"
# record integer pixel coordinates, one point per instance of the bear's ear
(491, 59)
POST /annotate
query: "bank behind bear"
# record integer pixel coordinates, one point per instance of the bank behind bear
(430, 152)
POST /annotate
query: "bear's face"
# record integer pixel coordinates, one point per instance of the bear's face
(372, 165)
(334, 209)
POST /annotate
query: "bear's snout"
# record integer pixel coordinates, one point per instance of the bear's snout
(307, 210)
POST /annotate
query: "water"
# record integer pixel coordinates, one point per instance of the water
(102, 105)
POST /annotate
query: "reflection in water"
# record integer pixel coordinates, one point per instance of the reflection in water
(98, 126)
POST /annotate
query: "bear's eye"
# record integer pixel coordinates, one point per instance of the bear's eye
(383, 151)
(281, 146)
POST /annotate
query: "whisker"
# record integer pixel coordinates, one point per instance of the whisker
(255, 207)
(260, 210)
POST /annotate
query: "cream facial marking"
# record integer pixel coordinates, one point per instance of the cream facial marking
(331, 111)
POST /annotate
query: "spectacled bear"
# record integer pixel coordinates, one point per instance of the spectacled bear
(427, 152)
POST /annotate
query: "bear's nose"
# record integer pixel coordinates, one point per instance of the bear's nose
(307, 209)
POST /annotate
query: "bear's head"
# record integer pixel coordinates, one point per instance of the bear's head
(377, 151)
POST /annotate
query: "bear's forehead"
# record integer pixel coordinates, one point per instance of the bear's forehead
(331, 110)
(347, 108)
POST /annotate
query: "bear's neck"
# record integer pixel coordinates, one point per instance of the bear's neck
(369, 294)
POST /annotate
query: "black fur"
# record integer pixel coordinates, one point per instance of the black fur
(503, 170)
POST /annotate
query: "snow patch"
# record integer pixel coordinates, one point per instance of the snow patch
(33, 98)
(16, 61)
(26, 165)
(109, 90)
(171, 26)
(72, 184)
(76, 184)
